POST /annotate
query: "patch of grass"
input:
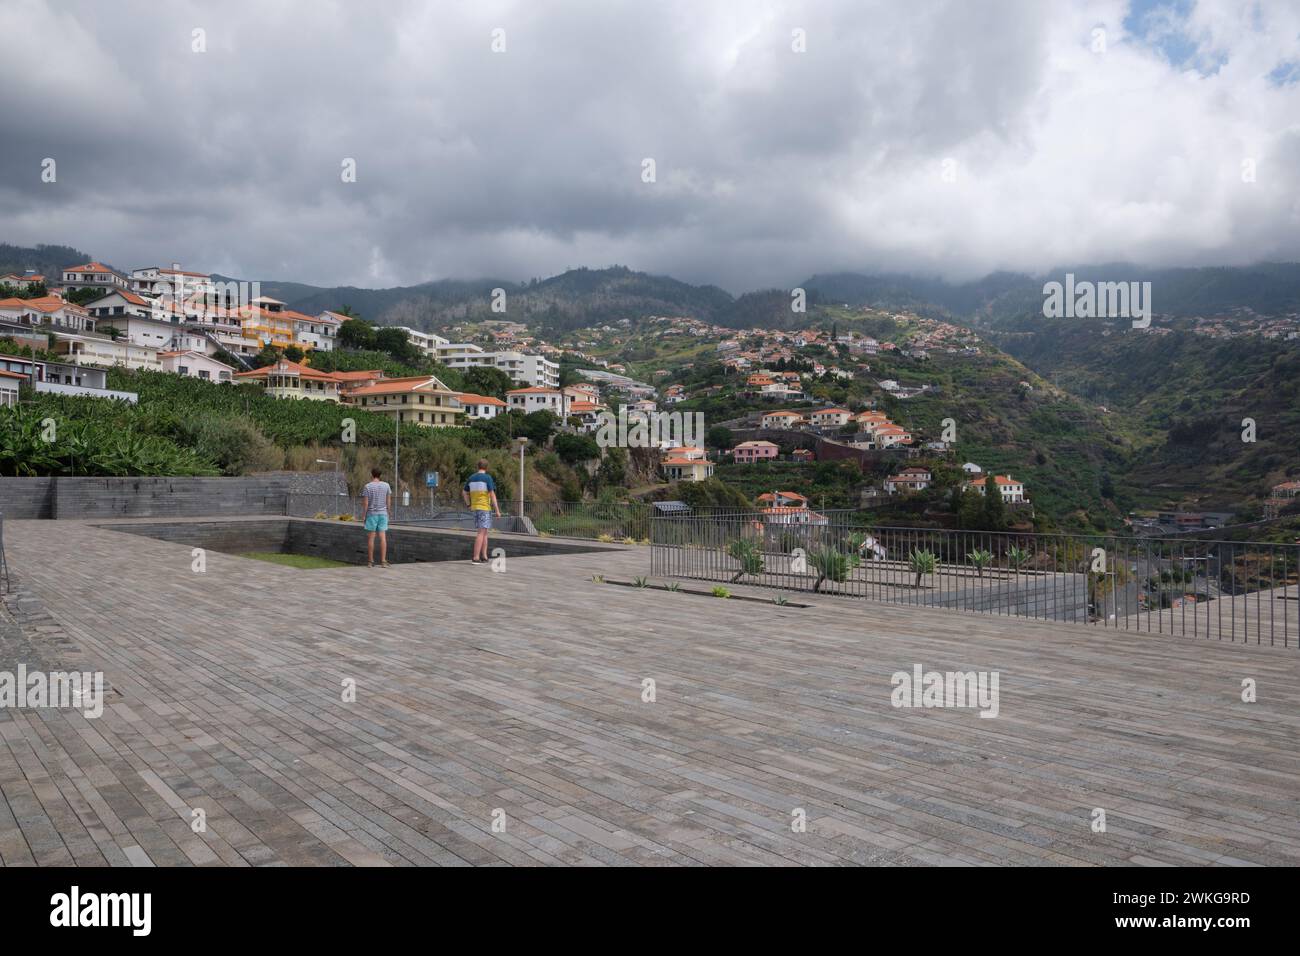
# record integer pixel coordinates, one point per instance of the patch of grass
(305, 561)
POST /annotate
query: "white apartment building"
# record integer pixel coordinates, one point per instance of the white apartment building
(196, 365)
(535, 371)
(426, 342)
(138, 330)
(534, 399)
(92, 349)
(174, 283)
(318, 333)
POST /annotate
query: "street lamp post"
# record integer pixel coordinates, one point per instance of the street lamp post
(523, 442)
(335, 463)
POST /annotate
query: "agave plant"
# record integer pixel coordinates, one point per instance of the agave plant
(721, 592)
(749, 556)
(922, 562)
(674, 586)
(831, 564)
(641, 582)
(980, 559)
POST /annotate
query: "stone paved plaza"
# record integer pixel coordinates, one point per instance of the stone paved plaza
(517, 697)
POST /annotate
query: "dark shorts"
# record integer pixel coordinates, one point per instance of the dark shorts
(483, 519)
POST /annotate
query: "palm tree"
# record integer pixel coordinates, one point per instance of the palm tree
(922, 562)
(1018, 557)
(981, 559)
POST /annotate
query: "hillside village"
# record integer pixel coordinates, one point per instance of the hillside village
(781, 404)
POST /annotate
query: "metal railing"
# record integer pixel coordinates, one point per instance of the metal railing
(1228, 590)
(617, 521)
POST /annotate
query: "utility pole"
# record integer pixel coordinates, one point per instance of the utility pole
(397, 449)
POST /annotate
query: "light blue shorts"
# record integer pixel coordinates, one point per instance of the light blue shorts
(377, 522)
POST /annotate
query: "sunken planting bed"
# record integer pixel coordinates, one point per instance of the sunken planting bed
(341, 541)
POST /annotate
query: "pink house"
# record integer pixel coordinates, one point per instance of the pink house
(752, 451)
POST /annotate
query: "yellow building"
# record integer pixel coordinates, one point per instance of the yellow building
(422, 399)
(270, 322)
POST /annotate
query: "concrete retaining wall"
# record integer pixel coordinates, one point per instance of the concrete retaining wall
(340, 541)
(90, 498)
(27, 498)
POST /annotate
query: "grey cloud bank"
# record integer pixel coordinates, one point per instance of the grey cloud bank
(938, 136)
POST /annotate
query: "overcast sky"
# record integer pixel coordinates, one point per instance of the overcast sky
(935, 136)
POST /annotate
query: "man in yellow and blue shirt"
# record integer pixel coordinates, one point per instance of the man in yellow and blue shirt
(480, 493)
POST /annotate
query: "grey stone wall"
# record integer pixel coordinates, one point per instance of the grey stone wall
(27, 498)
(82, 498)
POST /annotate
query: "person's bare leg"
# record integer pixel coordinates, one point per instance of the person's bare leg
(370, 548)
(480, 545)
(383, 547)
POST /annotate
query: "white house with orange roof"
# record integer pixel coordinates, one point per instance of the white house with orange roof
(120, 303)
(588, 412)
(24, 282)
(884, 435)
(781, 514)
(93, 275)
(286, 379)
(683, 468)
(1281, 496)
(908, 481)
(783, 499)
(830, 417)
(781, 419)
(47, 310)
(1011, 489)
(419, 399)
(480, 406)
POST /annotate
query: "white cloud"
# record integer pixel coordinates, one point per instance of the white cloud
(771, 164)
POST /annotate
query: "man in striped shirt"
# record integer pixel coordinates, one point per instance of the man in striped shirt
(376, 496)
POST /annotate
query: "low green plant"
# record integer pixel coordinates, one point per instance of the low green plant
(720, 592)
(750, 557)
(605, 538)
(598, 579)
(980, 559)
(674, 586)
(831, 564)
(1018, 557)
(780, 600)
(641, 582)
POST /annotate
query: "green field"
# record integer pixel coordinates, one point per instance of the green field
(304, 561)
